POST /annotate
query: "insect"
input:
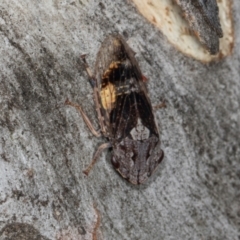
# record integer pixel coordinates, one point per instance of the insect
(203, 19)
(124, 111)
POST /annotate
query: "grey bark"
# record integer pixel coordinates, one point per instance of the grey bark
(45, 145)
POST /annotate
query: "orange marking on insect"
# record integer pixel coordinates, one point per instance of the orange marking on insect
(108, 96)
(112, 66)
(108, 91)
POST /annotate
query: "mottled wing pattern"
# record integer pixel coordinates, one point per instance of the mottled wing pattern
(137, 160)
(203, 19)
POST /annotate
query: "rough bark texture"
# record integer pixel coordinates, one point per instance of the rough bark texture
(45, 145)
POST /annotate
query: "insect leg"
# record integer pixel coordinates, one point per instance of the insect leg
(93, 83)
(96, 156)
(95, 233)
(85, 118)
(160, 105)
(91, 79)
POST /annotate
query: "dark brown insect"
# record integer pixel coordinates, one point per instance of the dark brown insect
(124, 111)
(203, 19)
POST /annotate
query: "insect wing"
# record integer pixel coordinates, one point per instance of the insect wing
(127, 111)
(136, 144)
(113, 70)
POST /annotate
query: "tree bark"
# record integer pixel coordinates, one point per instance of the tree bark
(45, 145)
